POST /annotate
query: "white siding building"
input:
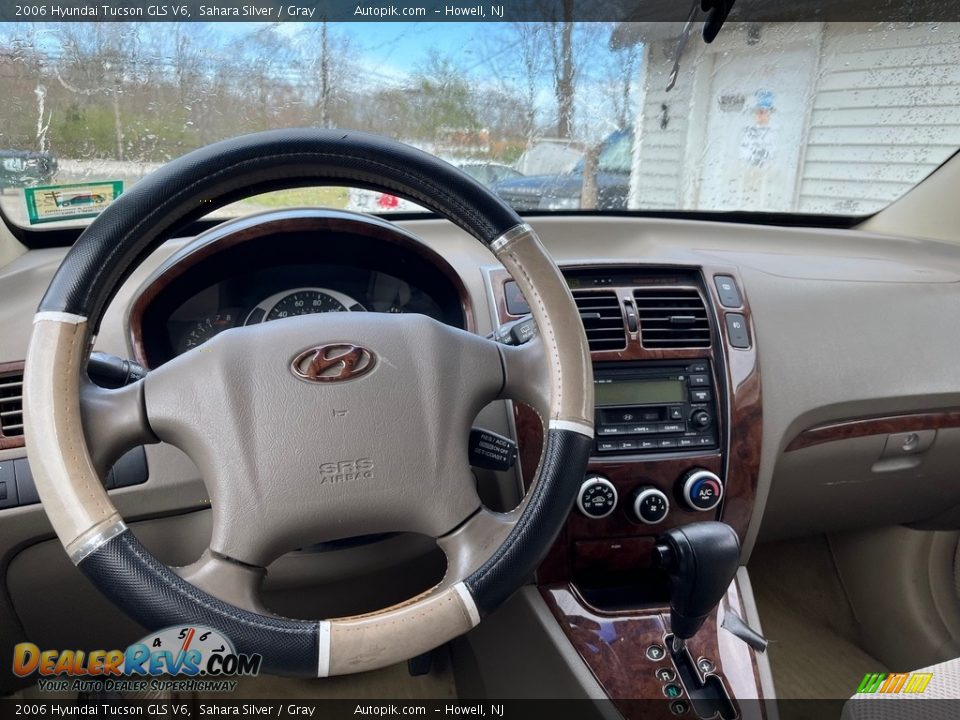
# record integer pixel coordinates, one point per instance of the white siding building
(798, 117)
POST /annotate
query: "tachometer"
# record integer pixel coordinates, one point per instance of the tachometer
(204, 329)
(302, 301)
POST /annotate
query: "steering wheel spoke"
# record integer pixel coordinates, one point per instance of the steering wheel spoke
(227, 580)
(114, 421)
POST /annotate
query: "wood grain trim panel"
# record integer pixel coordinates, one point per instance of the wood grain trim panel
(738, 462)
(305, 220)
(613, 646)
(879, 425)
(10, 443)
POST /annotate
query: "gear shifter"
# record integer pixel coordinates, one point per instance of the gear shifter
(701, 560)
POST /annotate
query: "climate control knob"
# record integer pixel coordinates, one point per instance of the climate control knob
(701, 489)
(650, 505)
(597, 497)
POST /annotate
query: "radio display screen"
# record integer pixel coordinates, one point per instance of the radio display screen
(639, 392)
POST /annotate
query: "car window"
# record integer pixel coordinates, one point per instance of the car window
(819, 118)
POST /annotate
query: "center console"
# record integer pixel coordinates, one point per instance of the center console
(678, 422)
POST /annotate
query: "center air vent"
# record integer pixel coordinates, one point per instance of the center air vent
(602, 320)
(672, 318)
(11, 405)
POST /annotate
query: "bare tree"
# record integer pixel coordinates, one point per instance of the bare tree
(326, 56)
(621, 74)
(560, 43)
(517, 61)
(100, 59)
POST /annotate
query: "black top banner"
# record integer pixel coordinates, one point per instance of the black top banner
(471, 11)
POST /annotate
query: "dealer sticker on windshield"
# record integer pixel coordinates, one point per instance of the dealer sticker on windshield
(49, 203)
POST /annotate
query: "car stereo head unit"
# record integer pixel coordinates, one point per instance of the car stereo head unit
(655, 407)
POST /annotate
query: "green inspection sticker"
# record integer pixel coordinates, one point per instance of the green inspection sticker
(49, 203)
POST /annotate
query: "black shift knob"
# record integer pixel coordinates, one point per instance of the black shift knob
(701, 560)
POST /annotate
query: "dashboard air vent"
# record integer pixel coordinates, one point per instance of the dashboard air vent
(602, 320)
(672, 318)
(11, 405)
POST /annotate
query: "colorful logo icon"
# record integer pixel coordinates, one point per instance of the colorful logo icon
(893, 683)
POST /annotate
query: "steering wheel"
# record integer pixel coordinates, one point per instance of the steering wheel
(254, 409)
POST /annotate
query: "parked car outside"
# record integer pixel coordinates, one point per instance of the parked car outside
(563, 191)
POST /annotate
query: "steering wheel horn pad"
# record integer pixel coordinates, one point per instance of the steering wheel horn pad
(396, 461)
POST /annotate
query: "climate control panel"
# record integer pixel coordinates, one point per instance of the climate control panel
(696, 490)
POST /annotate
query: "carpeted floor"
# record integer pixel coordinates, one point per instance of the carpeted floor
(814, 651)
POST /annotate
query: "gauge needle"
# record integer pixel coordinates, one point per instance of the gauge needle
(186, 645)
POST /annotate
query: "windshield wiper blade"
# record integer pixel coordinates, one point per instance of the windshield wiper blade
(717, 11)
(681, 45)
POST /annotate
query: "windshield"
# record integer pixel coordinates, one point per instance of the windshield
(828, 118)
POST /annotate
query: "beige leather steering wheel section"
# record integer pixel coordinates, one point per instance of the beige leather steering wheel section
(282, 468)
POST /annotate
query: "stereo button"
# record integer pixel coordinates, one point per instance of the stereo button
(676, 413)
(701, 395)
(673, 427)
(700, 380)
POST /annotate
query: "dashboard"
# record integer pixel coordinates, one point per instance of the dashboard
(284, 265)
(853, 333)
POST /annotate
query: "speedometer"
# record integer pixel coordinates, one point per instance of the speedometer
(302, 301)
